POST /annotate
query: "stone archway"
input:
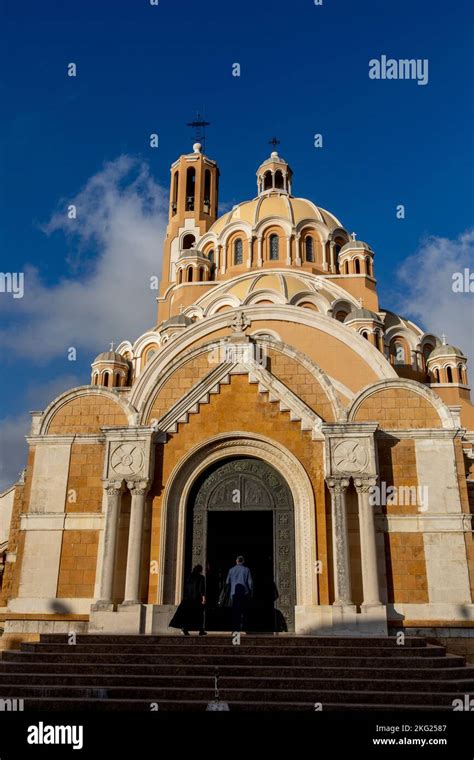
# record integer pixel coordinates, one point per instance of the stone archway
(176, 498)
(245, 488)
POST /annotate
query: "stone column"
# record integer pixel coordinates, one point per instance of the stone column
(139, 490)
(114, 490)
(298, 260)
(332, 256)
(250, 246)
(340, 541)
(259, 251)
(288, 250)
(368, 546)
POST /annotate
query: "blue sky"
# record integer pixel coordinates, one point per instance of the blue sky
(144, 69)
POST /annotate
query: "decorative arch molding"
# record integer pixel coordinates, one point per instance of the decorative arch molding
(319, 227)
(339, 232)
(176, 497)
(223, 300)
(273, 221)
(234, 227)
(432, 398)
(396, 331)
(317, 299)
(270, 313)
(87, 390)
(265, 294)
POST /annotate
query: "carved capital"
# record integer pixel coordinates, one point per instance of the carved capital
(363, 485)
(138, 487)
(113, 487)
(337, 485)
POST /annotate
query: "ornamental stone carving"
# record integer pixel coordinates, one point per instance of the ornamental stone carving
(350, 456)
(127, 459)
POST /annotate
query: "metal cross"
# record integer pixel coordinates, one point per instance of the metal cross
(353, 235)
(112, 346)
(199, 125)
(274, 142)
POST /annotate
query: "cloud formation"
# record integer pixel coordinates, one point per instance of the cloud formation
(428, 296)
(117, 240)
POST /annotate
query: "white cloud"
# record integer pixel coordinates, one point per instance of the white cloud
(428, 297)
(117, 240)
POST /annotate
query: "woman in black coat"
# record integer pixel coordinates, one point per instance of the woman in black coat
(190, 614)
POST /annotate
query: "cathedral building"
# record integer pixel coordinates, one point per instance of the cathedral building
(275, 410)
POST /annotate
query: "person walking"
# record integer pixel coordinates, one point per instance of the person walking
(190, 614)
(240, 581)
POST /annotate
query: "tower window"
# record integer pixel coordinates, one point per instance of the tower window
(190, 186)
(274, 248)
(449, 374)
(201, 274)
(357, 266)
(436, 375)
(106, 379)
(207, 192)
(279, 182)
(460, 375)
(188, 242)
(399, 356)
(365, 335)
(346, 267)
(174, 202)
(309, 249)
(190, 274)
(267, 181)
(238, 251)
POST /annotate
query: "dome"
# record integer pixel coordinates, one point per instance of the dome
(275, 204)
(446, 350)
(353, 245)
(110, 356)
(362, 314)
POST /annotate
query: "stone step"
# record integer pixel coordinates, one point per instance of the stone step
(275, 640)
(227, 648)
(242, 694)
(449, 671)
(273, 682)
(221, 660)
(138, 705)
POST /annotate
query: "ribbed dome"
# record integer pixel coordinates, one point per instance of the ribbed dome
(295, 210)
(354, 245)
(362, 314)
(446, 350)
(110, 356)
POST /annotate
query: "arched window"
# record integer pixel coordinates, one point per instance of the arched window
(95, 378)
(346, 267)
(207, 192)
(367, 266)
(365, 335)
(190, 186)
(106, 379)
(460, 375)
(211, 256)
(188, 242)
(117, 379)
(174, 202)
(436, 375)
(190, 274)
(238, 251)
(267, 181)
(341, 315)
(279, 180)
(449, 374)
(309, 248)
(201, 274)
(180, 276)
(357, 266)
(274, 248)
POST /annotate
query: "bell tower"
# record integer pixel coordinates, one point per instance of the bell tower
(193, 205)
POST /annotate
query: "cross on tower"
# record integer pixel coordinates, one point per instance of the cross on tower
(353, 235)
(274, 142)
(112, 346)
(444, 339)
(199, 125)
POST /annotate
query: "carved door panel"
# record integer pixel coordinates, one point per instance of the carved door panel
(251, 485)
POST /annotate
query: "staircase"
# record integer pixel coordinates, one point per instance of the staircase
(263, 673)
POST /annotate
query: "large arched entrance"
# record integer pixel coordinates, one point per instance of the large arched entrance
(244, 506)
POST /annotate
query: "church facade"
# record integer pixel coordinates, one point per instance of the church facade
(275, 410)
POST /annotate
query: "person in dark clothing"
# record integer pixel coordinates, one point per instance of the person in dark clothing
(240, 581)
(190, 614)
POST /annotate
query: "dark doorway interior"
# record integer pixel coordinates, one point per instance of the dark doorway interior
(249, 533)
